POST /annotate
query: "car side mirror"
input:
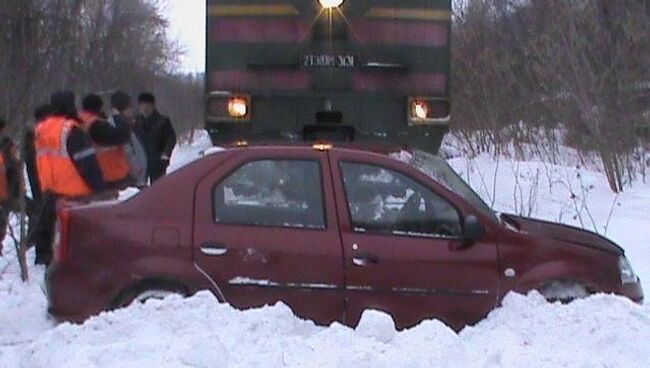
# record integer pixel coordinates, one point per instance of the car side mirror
(473, 230)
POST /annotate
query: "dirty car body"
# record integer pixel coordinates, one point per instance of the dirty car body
(331, 232)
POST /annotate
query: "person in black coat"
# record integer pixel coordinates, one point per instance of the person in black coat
(122, 114)
(156, 134)
(36, 204)
(41, 113)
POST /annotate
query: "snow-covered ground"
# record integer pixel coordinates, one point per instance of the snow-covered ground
(601, 331)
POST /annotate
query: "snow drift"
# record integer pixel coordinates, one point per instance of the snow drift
(602, 331)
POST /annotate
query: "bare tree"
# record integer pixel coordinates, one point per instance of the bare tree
(523, 69)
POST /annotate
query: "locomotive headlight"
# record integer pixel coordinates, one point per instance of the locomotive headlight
(428, 110)
(228, 107)
(329, 4)
(238, 107)
(420, 109)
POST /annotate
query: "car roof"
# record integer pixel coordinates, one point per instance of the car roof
(371, 147)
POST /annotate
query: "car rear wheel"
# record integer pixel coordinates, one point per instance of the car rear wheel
(153, 294)
(150, 290)
(563, 291)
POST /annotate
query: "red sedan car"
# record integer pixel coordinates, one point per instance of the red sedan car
(330, 231)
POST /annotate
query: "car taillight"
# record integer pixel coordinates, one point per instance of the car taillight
(61, 243)
(425, 110)
(228, 107)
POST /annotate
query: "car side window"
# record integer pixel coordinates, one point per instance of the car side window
(280, 193)
(386, 201)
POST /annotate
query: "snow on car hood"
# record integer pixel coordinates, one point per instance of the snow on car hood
(565, 233)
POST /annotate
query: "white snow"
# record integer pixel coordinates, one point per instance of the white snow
(128, 193)
(188, 153)
(601, 331)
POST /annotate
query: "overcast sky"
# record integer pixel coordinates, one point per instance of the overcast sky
(187, 26)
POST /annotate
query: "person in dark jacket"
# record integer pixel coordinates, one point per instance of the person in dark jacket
(156, 134)
(123, 114)
(41, 113)
(10, 180)
(35, 205)
(74, 174)
(109, 139)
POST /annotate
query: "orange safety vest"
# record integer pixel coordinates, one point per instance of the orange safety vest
(113, 160)
(56, 169)
(4, 183)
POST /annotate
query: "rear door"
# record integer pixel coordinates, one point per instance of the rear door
(265, 231)
(401, 239)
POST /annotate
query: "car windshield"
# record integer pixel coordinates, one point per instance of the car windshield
(439, 170)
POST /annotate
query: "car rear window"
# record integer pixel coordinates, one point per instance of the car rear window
(280, 193)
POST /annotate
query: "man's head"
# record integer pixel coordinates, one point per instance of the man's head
(147, 103)
(63, 103)
(94, 104)
(121, 102)
(42, 112)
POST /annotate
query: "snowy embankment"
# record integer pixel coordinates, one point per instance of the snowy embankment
(527, 332)
(601, 331)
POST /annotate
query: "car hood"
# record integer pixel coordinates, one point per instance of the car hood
(565, 233)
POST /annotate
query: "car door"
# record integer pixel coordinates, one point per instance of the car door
(402, 245)
(265, 230)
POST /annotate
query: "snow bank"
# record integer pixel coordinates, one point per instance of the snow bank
(23, 309)
(603, 331)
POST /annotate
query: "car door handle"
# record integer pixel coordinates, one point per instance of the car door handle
(214, 250)
(364, 260)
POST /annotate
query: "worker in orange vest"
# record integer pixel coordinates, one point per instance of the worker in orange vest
(109, 140)
(10, 180)
(67, 166)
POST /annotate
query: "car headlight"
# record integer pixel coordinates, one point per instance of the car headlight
(627, 273)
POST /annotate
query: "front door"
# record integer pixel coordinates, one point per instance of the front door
(402, 246)
(265, 231)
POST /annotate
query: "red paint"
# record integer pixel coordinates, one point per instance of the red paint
(114, 250)
(260, 80)
(411, 33)
(424, 84)
(62, 248)
(259, 30)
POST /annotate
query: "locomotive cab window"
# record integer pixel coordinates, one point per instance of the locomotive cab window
(280, 193)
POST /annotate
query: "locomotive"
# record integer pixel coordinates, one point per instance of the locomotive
(363, 70)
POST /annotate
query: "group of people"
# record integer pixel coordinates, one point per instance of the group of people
(82, 154)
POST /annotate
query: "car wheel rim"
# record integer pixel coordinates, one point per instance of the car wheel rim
(152, 294)
(564, 292)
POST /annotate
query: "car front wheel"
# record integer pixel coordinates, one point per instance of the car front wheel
(563, 291)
